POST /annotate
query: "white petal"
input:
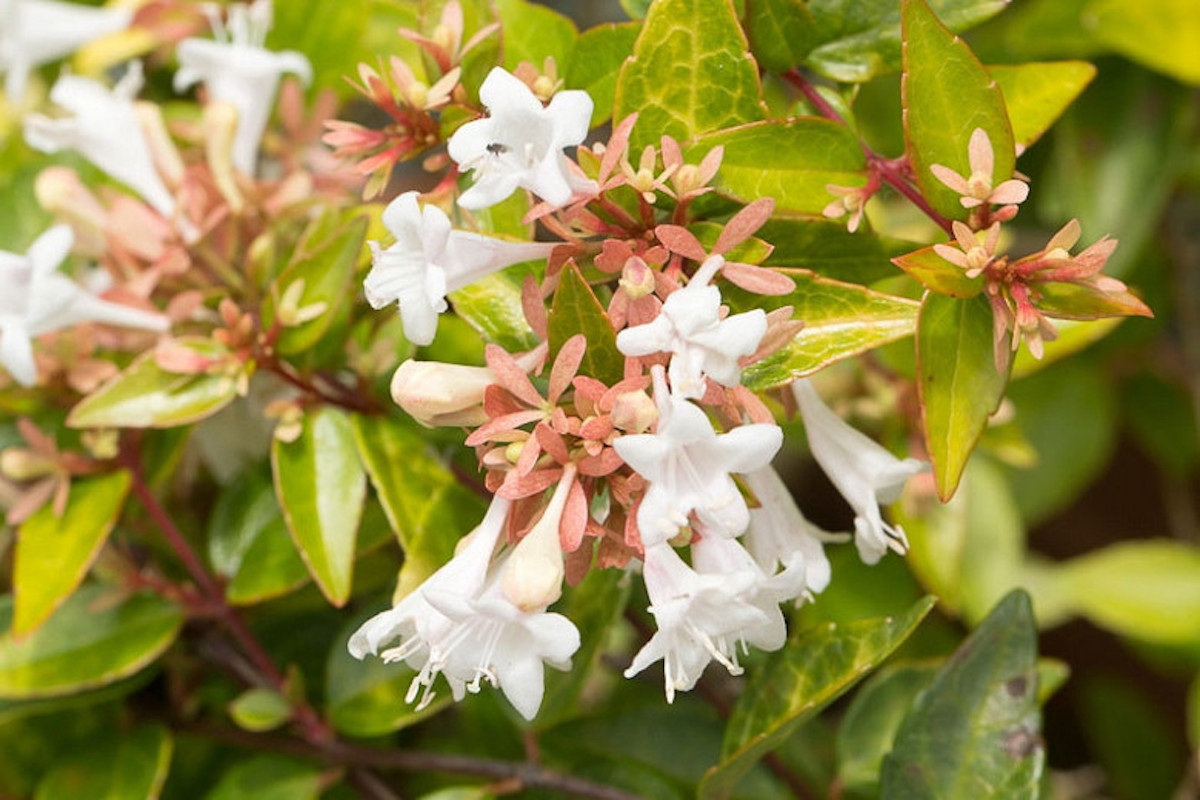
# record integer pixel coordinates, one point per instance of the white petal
(16, 354)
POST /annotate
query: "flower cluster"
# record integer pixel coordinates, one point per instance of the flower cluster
(660, 461)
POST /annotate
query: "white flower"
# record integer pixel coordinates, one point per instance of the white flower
(521, 143)
(862, 470)
(700, 618)
(459, 624)
(238, 70)
(437, 394)
(35, 32)
(429, 260)
(688, 466)
(37, 299)
(104, 128)
(780, 536)
(690, 327)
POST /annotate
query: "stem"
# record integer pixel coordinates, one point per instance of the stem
(337, 395)
(527, 774)
(885, 168)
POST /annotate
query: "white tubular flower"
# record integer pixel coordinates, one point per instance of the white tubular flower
(700, 618)
(862, 470)
(237, 69)
(780, 536)
(36, 32)
(521, 143)
(701, 344)
(104, 128)
(429, 260)
(37, 299)
(459, 624)
(533, 574)
(688, 466)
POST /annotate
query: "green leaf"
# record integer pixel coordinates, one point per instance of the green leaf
(321, 484)
(531, 32)
(1146, 590)
(975, 731)
(827, 248)
(860, 39)
(331, 35)
(269, 778)
(426, 505)
(576, 310)
(249, 544)
(814, 669)
(368, 697)
(596, 63)
(947, 94)
(781, 32)
(94, 639)
(324, 260)
(260, 709)
(938, 275)
(790, 160)
(1160, 35)
(1073, 301)
(492, 305)
(54, 553)
(131, 766)
(959, 385)
(713, 79)
(872, 719)
(1037, 94)
(143, 395)
(840, 320)
(1073, 336)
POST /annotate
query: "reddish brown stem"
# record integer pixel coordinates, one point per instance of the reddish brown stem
(886, 169)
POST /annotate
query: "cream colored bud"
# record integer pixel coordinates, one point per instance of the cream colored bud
(162, 149)
(544, 87)
(512, 453)
(220, 128)
(438, 394)
(634, 412)
(687, 179)
(59, 191)
(637, 279)
(19, 464)
(533, 576)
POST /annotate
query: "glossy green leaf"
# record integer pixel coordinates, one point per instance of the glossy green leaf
(713, 79)
(1037, 94)
(324, 260)
(96, 638)
(959, 385)
(427, 506)
(1161, 35)
(790, 160)
(869, 727)
(492, 305)
(249, 544)
(781, 32)
(596, 63)
(143, 395)
(947, 94)
(840, 320)
(1130, 736)
(368, 697)
(331, 35)
(320, 484)
(1072, 301)
(938, 275)
(130, 766)
(576, 310)
(533, 32)
(813, 669)
(260, 709)
(860, 39)
(1147, 590)
(15, 710)
(827, 248)
(268, 777)
(54, 553)
(975, 731)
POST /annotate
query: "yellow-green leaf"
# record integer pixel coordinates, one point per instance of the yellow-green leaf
(54, 553)
(127, 766)
(1161, 35)
(321, 484)
(1037, 94)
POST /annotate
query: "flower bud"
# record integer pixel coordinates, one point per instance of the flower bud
(634, 412)
(533, 576)
(637, 279)
(19, 464)
(60, 192)
(438, 394)
(220, 128)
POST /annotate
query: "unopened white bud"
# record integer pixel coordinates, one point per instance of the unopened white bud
(438, 394)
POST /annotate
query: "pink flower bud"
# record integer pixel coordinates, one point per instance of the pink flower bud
(634, 412)
(637, 279)
(438, 394)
